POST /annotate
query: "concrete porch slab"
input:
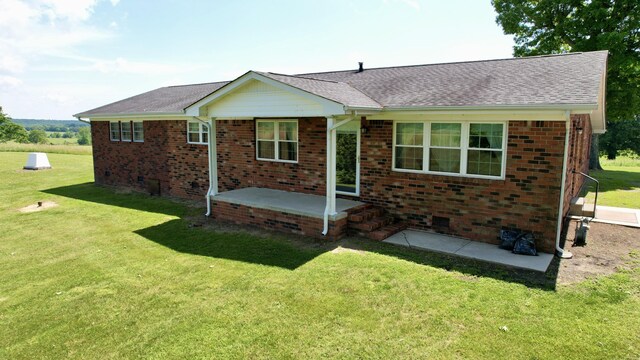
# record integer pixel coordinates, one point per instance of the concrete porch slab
(285, 201)
(470, 249)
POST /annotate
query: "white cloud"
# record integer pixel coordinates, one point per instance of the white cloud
(6, 80)
(115, 2)
(43, 27)
(11, 64)
(415, 4)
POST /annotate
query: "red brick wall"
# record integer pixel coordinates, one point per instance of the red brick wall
(578, 160)
(181, 168)
(477, 208)
(238, 167)
(297, 224)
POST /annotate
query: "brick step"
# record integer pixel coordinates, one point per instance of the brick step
(386, 231)
(579, 207)
(366, 214)
(372, 224)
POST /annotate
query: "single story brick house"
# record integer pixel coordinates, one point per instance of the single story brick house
(465, 148)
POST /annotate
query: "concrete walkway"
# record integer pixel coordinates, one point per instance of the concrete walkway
(469, 249)
(618, 216)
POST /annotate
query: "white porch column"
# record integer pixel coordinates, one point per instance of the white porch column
(330, 207)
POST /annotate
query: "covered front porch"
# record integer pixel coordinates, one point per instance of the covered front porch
(299, 213)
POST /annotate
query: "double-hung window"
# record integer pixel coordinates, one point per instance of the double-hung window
(138, 131)
(277, 140)
(197, 133)
(125, 131)
(453, 148)
(114, 131)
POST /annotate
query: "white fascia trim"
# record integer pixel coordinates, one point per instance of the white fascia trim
(146, 116)
(572, 107)
(199, 108)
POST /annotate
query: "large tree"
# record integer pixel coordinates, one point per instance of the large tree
(557, 26)
(10, 130)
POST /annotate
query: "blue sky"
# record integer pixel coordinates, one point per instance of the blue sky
(61, 57)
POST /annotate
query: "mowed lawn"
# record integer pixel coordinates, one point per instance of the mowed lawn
(619, 183)
(110, 276)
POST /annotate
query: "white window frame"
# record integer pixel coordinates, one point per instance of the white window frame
(276, 139)
(111, 123)
(464, 148)
(122, 132)
(202, 129)
(133, 131)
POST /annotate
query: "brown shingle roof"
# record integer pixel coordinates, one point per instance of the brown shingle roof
(568, 79)
(545, 80)
(170, 99)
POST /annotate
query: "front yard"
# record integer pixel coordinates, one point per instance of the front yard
(112, 275)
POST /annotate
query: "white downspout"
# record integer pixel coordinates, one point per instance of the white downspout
(330, 207)
(329, 182)
(559, 251)
(213, 161)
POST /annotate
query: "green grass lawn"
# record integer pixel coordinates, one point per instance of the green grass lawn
(107, 275)
(58, 147)
(619, 183)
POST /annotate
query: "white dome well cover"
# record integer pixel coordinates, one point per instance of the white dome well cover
(37, 161)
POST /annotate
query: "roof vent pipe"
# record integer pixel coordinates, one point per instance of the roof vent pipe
(360, 67)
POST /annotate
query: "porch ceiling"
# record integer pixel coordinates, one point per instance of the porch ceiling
(285, 201)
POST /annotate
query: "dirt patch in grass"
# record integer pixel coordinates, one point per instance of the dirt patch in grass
(609, 248)
(39, 206)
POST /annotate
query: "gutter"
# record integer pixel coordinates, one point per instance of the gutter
(584, 106)
(559, 251)
(84, 121)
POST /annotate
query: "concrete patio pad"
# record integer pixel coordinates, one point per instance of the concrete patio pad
(285, 201)
(618, 216)
(469, 249)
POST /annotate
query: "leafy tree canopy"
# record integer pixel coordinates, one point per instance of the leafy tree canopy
(38, 136)
(621, 135)
(556, 26)
(10, 130)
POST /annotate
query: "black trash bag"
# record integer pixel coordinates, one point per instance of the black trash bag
(525, 245)
(508, 239)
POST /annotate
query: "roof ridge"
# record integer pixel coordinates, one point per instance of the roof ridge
(457, 62)
(205, 83)
(307, 78)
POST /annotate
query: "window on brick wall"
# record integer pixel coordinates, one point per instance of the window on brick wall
(277, 140)
(473, 149)
(114, 131)
(125, 131)
(138, 131)
(197, 133)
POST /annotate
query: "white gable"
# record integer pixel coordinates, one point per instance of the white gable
(255, 98)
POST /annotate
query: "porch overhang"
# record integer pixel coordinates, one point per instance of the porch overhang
(254, 95)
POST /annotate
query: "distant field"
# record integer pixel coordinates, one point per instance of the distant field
(59, 148)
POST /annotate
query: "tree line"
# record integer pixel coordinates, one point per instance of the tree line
(36, 132)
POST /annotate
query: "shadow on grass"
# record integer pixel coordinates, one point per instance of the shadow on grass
(613, 180)
(285, 251)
